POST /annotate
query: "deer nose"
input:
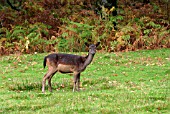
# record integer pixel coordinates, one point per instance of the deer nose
(92, 51)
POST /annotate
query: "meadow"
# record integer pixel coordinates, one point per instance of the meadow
(114, 83)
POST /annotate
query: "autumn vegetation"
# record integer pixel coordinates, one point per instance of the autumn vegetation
(64, 25)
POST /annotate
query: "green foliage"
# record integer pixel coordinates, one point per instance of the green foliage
(126, 37)
(155, 7)
(83, 30)
(75, 33)
(115, 18)
(25, 38)
(63, 45)
(152, 24)
(147, 31)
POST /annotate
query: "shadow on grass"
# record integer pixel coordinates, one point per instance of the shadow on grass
(24, 85)
(28, 85)
(66, 84)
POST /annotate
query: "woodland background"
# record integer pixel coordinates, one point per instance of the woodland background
(29, 26)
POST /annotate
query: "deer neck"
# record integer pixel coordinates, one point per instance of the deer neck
(89, 59)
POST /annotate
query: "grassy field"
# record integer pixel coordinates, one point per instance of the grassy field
(115, 83)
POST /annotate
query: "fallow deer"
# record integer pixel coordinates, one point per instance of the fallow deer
(67, 63)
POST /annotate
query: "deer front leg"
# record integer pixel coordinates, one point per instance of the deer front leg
(76, 75)
(78, 79)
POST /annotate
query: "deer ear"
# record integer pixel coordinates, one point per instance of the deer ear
(97, 44)
(86, 44)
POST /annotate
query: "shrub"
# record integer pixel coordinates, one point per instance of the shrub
(30, 38)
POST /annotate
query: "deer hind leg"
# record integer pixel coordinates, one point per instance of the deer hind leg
(75, 80)
(48, 76)
(49, 82)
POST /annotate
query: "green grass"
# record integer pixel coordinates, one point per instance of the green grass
(131, 82)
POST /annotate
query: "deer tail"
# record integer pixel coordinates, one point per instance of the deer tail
(44, 63)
